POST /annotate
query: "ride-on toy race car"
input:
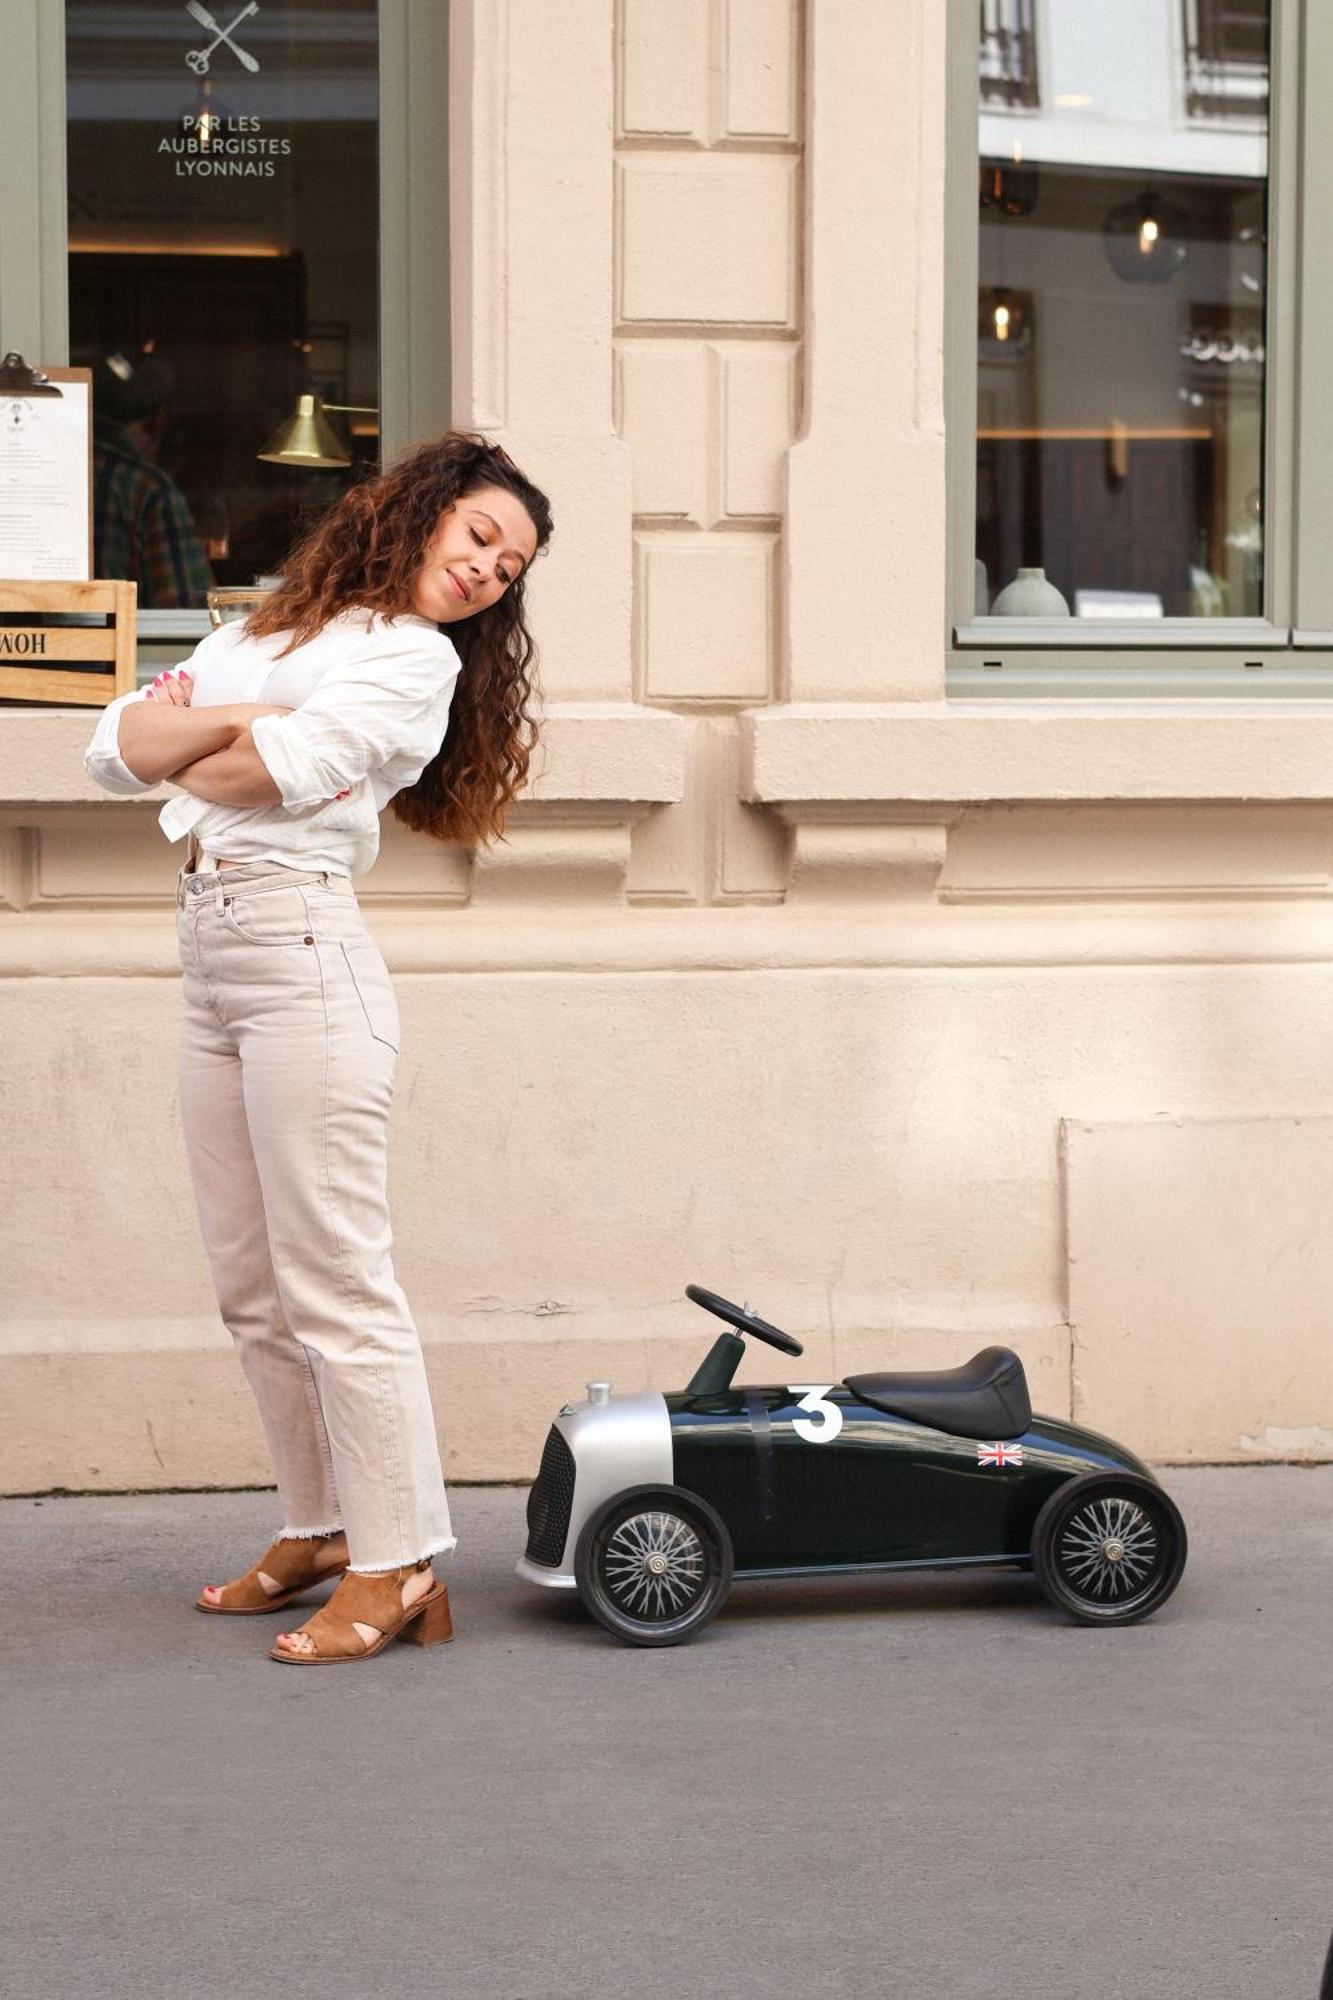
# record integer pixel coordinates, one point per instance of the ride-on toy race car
(650, 1505)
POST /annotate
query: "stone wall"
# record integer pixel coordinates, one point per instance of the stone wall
(919, 1024)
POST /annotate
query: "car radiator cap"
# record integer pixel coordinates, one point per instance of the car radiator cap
(599, 1392)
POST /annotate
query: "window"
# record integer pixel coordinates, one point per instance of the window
(1134, 485)
(223, 223)
(223, 257)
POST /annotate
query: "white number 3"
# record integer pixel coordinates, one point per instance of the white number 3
(813, 1395)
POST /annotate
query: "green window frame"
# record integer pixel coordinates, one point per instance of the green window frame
(1289, 651)
(415, 363)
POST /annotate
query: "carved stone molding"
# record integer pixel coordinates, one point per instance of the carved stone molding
(841, 854)
(578, 855)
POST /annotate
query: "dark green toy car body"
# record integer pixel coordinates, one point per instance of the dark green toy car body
(651, 1505)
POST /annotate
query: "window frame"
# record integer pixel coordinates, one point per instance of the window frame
(415, 396)
(1288, 652)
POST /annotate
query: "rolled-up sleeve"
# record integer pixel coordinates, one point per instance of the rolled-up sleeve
(102, 759)
(388, 702)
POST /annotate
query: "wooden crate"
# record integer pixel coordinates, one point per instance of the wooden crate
(30, 655)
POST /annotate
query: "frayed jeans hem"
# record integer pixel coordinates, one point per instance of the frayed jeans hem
(383, 1569)
(311, 1534)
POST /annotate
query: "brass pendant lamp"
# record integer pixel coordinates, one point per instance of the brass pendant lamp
(307, 438)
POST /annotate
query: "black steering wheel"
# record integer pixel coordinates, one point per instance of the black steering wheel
(744, 1322)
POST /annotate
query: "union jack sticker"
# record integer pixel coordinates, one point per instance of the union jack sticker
(999, 1454)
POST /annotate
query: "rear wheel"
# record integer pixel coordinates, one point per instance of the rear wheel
(1109, 1548)
(654, 1565)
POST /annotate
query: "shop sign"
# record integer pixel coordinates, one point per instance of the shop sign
(211, 144)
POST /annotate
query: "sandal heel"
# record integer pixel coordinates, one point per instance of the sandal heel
(432, 1626)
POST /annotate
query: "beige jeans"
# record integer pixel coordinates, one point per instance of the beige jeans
(287, 1060)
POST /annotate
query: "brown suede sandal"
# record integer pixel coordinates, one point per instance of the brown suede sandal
(289, 1562)
(372, 1600)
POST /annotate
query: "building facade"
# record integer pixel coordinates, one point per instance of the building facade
(927, 972)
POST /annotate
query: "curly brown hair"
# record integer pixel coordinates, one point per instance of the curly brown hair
(366, 551)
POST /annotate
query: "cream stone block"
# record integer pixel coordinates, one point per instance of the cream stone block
(837, 859)
(99, 1216)
(671, 847)
(580, 859)
(1201, 1284)
(664, 412)
(176, 1412)
(662, 73)
(752, 846)
(164, 1412)
(762, 68)
(1131, 852)
(758, 399)
(18, 862)
(705, 613)
(867, 1151)
(532, 106)
(707, 240)
(1033, 750)
(600, 751)
(121, 858)
(479, 212)
(709, 425)
(710, 847)
(113, 858)
(412, 869)
(873, 444)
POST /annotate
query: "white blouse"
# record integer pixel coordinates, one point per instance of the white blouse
(371, 697)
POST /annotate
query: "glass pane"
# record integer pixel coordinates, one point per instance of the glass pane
(223, 262)
(1120, 323)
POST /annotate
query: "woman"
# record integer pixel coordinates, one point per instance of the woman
(400, 614)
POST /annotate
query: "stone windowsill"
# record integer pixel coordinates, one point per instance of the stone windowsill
(589, 752)
(894, 753)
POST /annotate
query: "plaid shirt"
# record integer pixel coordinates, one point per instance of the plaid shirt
(142, 528)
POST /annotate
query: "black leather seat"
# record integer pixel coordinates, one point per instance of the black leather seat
(986, 1398)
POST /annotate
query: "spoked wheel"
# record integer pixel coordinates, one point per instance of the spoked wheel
(654, 1565)
(1109, 1548)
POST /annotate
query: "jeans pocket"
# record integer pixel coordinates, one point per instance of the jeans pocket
(268, 916)
(370, 977)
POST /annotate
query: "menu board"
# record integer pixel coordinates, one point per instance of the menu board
(46, 481)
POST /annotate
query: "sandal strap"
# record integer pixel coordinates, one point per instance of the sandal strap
(359, 1599)
(290, 1563)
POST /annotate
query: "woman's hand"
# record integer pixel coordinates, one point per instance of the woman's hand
(174, 685)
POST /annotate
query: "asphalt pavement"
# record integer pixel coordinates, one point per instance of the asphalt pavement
(933, 1786)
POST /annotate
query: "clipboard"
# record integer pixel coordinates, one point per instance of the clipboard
(63, 637)
(38, 542)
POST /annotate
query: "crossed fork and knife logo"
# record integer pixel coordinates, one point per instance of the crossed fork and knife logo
(199, 59)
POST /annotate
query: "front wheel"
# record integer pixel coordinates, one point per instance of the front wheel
(1109, 1548)
(654, 1565)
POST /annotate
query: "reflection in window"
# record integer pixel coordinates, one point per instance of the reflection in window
(223, 261)
(1121, 315)
(1226, 59)
(1008, 53)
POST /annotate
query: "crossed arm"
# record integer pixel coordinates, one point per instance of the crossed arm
(208, 752)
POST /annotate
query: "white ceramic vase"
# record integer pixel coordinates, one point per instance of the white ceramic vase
(1030, 596)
